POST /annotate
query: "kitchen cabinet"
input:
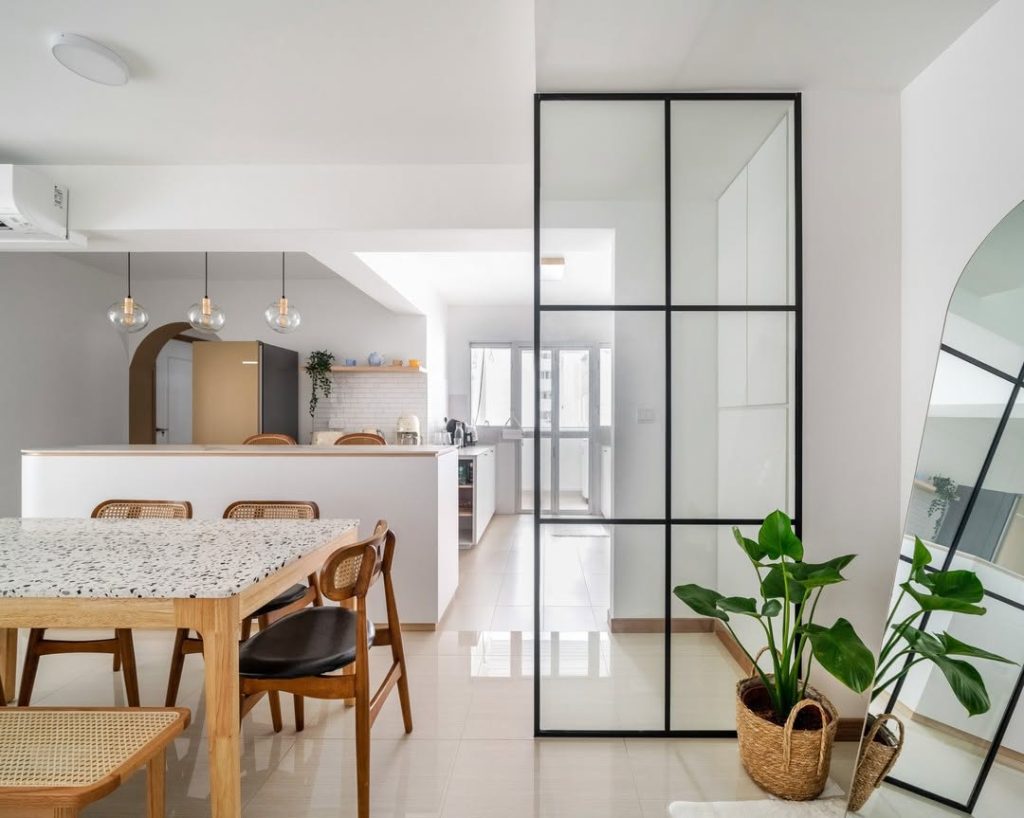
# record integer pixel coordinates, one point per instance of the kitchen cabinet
(477, 492)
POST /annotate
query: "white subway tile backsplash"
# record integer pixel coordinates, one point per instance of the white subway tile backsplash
(370, 400)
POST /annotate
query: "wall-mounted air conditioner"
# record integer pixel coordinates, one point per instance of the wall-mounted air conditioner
(32, 208)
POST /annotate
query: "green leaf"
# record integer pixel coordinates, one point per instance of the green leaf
(773, 586)
(771, 608)
(737, 604)
(842, 653)
(752, 548)
(961, 585)
(777, 539)
(701, 600)
(938, 602)
(952, 646)
(966, 684)
(815, 575)
(964, 679)
(922, 557)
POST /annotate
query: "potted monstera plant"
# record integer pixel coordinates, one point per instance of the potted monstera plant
(906, 645)
(785, 726)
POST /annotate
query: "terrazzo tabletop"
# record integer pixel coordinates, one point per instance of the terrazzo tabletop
(151, 558)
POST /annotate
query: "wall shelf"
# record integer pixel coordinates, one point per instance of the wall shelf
(357, 370)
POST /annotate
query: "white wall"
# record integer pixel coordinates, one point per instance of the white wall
(851, 284)
(64, 369)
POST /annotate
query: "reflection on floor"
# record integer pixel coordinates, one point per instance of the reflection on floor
(568, 501)
(472, 753)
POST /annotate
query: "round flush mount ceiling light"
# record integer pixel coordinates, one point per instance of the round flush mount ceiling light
(89, 59)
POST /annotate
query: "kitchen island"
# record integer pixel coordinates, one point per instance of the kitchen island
(414, 488)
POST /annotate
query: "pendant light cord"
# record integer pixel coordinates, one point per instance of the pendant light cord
(129, 275)
(206, 275)
(282, 276)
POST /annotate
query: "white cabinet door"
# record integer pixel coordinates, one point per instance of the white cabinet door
(484, 493)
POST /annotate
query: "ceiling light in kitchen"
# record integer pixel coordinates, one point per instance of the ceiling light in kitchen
(204, 315)
(280, 316)
(128, 314)
(89, 59)
(552, 268)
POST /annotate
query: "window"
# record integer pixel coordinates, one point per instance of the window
(490, 385)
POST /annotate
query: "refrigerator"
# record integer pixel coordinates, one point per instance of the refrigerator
(243, 388)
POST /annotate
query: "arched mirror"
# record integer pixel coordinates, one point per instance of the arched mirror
(951, 666)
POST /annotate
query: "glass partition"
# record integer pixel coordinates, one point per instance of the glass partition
(667, 310)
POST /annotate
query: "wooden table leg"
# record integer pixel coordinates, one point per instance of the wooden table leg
(218, 622)
(9, 662)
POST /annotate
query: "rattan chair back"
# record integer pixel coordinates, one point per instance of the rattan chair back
(143, 510)
(272, 510)
(270, 439)
(360, 439)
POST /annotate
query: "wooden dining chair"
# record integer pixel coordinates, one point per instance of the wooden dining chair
(360, 439)
(121, 646)
(269, 439)
(302, 653)
(291, 599)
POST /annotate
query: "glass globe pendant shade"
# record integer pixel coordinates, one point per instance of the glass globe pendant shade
(206, 316)
(128, 315)
(281, 317)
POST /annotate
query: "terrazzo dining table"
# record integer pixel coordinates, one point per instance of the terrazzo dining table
(205, 575)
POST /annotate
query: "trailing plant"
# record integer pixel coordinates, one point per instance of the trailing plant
(789, 593)
(954, 591)
(318, 367)
(945, 493)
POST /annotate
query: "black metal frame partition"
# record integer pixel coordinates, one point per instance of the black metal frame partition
(668, 308)
(1011, 705)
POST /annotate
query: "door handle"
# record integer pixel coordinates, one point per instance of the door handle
(161, 431)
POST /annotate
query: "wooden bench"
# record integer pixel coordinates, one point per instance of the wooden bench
(55, 761)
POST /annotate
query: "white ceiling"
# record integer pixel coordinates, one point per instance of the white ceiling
(223, 266)
(433, 82)
(243, 81)
(610, 45)
(484, 278)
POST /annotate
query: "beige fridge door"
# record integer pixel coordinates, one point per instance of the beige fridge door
(225, 391)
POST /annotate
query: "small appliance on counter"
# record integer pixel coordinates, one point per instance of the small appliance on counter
(471, 436)
(456, 431)
(408, 430)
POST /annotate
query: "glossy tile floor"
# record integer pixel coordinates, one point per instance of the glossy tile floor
(472, 752)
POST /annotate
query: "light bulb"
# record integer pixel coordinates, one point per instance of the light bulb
(206, 316)
(281, 317)
(128, 315)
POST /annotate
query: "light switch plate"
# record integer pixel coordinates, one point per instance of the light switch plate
(646, 414)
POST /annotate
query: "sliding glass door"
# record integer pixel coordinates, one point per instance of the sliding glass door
(666, 378)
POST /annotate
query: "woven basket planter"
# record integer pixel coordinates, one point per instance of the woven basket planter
(878, 753)
(788, 761)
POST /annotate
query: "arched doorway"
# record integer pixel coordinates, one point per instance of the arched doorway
(142, 379)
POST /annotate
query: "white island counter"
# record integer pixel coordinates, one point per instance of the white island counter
(414, 488)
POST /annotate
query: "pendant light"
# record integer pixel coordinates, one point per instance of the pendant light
(279, 316)
(206, 316)
(128, 314)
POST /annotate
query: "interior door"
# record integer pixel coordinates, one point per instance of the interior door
(174, 393)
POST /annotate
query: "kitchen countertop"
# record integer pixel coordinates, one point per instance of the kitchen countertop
(164, 450)
(47, 557)
(474, 451)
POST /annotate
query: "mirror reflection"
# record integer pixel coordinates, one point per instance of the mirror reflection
(942, 717)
